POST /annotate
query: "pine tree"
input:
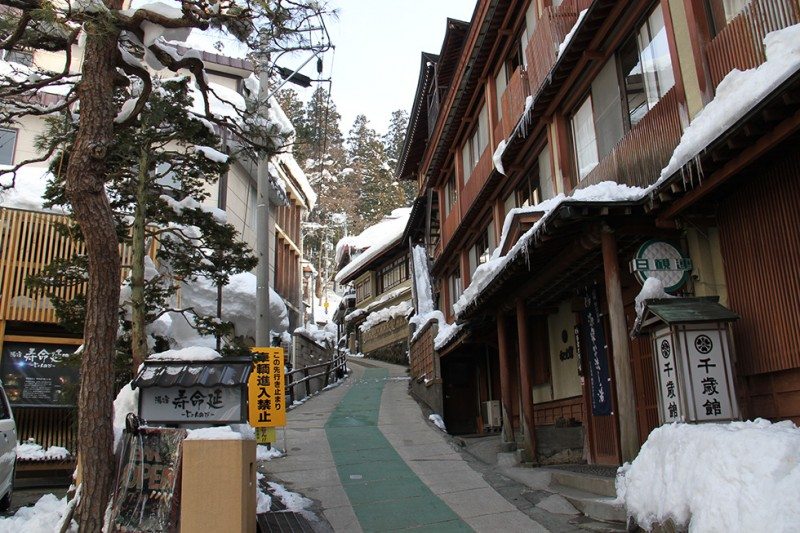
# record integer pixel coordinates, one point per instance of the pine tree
(378, 193)
(393, 142)
(164, 166)
(296, 112)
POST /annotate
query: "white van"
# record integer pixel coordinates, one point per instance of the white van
(8, 451)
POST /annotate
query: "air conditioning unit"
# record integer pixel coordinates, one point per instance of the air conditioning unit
(490, 412)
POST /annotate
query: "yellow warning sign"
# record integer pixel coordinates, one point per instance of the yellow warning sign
(266, 388)
(265, 435)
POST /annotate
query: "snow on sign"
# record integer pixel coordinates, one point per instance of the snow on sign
(266, 389)
(663, 261)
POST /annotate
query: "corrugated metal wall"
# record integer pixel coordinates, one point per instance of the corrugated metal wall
(760, 237)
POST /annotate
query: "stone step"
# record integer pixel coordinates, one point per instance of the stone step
(598, 485)
(591, 504)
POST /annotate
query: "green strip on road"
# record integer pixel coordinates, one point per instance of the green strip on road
(385, 493)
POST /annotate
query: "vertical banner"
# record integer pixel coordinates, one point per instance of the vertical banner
(594, 344)
(147, 493)
(266, 389)
(671, 404)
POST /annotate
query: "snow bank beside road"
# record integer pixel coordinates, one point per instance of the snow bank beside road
(737, 477)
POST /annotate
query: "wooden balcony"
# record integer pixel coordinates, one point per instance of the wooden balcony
(30, 240)
(637, 159)
(478, 178)
(552, 28)
(740, 44)
(512, 103)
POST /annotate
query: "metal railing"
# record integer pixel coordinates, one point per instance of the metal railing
(335, 368)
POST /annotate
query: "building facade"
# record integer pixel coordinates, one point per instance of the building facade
(554, 144)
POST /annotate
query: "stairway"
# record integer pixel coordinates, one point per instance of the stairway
(593, 495)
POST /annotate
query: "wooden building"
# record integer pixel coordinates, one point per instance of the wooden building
(554, 141)
(376, 265)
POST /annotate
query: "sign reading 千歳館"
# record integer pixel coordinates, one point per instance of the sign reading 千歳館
(37, 374)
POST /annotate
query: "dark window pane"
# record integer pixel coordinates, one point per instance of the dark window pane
(8, 139)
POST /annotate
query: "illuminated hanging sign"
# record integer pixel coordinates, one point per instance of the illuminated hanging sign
(663, 261)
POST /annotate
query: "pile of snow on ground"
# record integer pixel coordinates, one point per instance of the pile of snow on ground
(736, 477)
(41, 518)
(31, 451)
(437, 421)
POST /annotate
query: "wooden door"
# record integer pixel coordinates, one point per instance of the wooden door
(460, 395)
(644, 381)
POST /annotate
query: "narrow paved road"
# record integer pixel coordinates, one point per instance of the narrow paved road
(367, 456)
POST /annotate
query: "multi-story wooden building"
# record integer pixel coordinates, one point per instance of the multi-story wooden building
(376, 264)
(516, 129)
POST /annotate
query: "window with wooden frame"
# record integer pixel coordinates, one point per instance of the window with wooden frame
(8, 145)
(482, 249)
(514, 59)
(393, 274)
(454, 287)
(584, 138)
(476, 144)
(363, 290)
(450, 194)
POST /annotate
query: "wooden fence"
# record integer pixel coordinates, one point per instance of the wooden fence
(740, 44)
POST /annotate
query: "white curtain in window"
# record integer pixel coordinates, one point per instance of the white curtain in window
(585, 138)
(733, 8)
(500, 86)
(546, 174)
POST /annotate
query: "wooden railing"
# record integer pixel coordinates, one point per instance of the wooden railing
(740, 44)
(30, 240)
(639, 156)
(480, 174)
(512, 102)
(552, 28)
(332, 371)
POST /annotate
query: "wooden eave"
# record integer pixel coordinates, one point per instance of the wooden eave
(417, 132)
(484, 27)
(520, 224)
(775, 119)
(388, 254)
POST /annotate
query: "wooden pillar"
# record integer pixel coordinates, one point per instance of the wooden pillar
(506, 396)
(526, 381)
(626, 399)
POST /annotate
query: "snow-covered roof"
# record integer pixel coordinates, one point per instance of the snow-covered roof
(371, 242)
(28, 190)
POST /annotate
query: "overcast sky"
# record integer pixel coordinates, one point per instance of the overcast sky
(375, 65)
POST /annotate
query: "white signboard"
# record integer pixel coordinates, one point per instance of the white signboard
(191, 404)
(707, 373)
(670, 398)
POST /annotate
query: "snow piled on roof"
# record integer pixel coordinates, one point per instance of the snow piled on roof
(737, 94)
(193, 353)
(372, 241)
(736, 477)
(606, 191)
(426, 311)
(568, 37)
(300, 178)
(28, 190)
(384, 315)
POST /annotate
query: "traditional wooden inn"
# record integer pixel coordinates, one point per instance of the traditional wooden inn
(568, 151)
(376, 263)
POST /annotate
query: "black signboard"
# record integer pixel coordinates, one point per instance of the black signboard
(147, 492)
(37, 375)
(594, 343)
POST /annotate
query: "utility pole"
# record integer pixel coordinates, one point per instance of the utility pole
(263, 229)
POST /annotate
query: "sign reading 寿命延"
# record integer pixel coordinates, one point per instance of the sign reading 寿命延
(191, 404)
(266, 388)
(663, 261)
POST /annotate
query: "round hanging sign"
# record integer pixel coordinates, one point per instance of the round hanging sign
(661, 260)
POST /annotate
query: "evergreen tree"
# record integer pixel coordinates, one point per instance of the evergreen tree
(393, 142)
(295, 110)
(164, 167)
(378, 193)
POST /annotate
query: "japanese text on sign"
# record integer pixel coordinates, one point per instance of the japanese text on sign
(266, 389)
